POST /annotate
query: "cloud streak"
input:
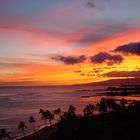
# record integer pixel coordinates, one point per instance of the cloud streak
(122, 74)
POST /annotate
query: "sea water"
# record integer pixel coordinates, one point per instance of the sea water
(19, 103)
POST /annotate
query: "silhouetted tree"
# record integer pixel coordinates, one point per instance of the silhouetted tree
(57, 113)
(4, 135)
(109, 103)
(88, 110)
(43, 115)
(123, 103)
(103, 105)
(32, 121)
(65, 114)
(22, 127)
(50, 116)
(46, 115)
(41, 111)
(71, 111)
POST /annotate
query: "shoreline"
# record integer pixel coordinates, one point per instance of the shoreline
(46, 131)
(43, 132)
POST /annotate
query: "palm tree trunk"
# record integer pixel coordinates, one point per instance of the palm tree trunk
(45, 122)
(34, 128)
(23, 133)
(50, 122)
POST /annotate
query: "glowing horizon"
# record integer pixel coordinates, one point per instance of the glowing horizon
(68, 42)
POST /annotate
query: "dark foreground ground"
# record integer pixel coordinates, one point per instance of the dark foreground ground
(107, 127)
(42, 134)
(119, 123)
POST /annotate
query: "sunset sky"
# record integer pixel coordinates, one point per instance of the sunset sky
(64, 42)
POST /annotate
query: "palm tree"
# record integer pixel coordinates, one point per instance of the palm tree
(123, 104)
(50, 116)
(32, 121)
(71, 111)
(22, 127)
(88, 110)
(57, 113)
(41, 111)
(103, 105)
(110, 103)
(46, 115)
(43, 115)
(65, 115)
(4, 134)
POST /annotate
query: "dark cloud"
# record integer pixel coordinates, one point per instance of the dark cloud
(87, 74)
(94, 72)
(78, 71)
(98, 59)
(97, 70)
(123, 74)
(106, 57)
(91, 4)
(70, 60)
(131, 48)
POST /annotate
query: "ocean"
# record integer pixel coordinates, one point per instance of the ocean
(18, 103)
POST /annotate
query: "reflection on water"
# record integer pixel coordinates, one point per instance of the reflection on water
(17, 104)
